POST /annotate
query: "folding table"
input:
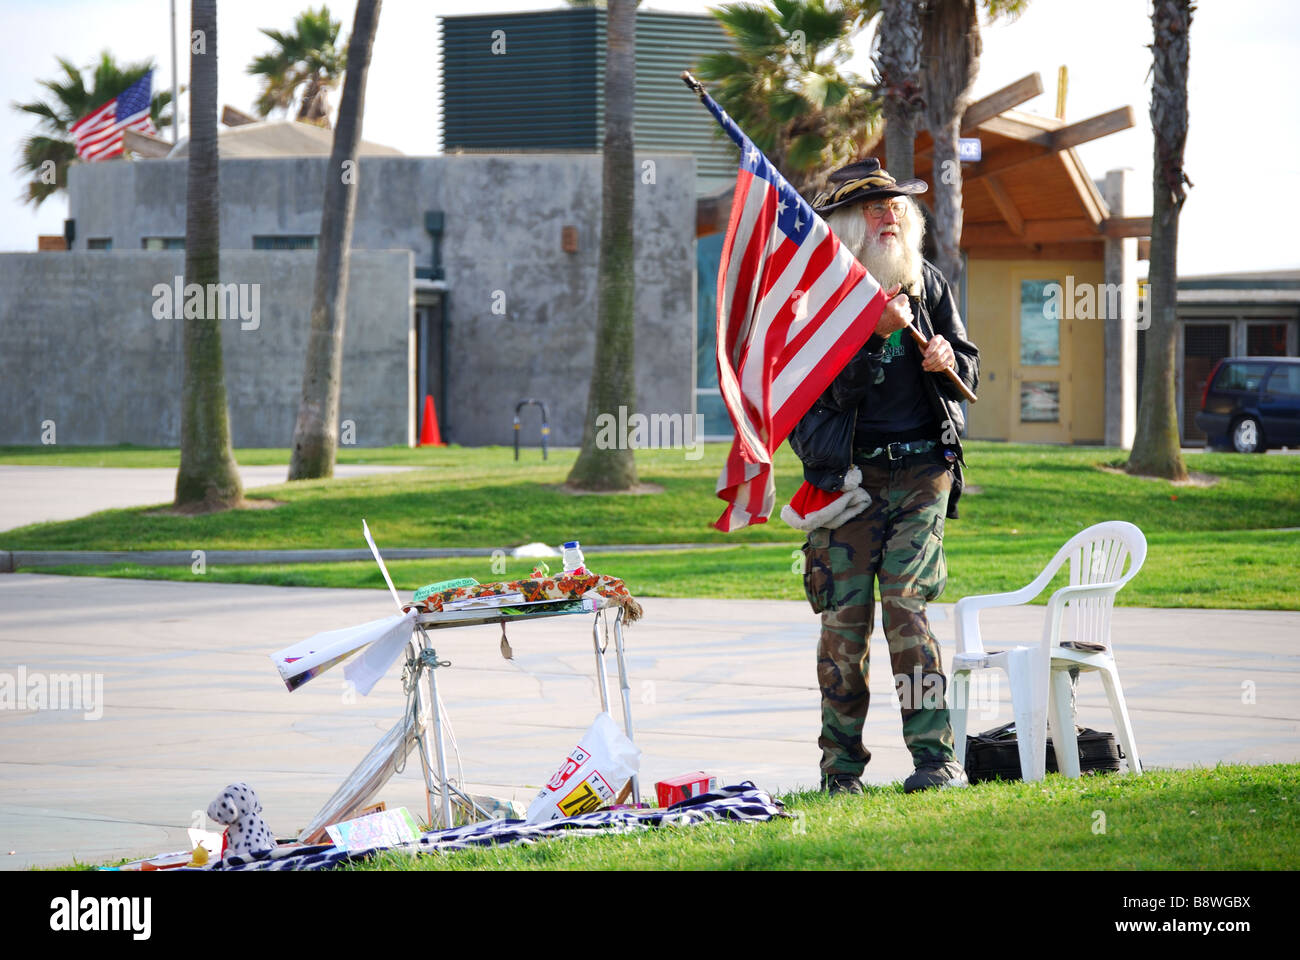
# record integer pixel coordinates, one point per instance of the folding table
(433, 755)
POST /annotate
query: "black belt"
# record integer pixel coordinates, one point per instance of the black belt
(896, 451)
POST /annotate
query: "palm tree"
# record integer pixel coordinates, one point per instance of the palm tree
(315, 434)
(308, 59)
(613, 375)
(950, 51)
(208, 476)
(1155, 445)
(71, 100)
(784, 86)
(898, 81)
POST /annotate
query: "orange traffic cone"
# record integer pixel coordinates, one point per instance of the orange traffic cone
(429, 435)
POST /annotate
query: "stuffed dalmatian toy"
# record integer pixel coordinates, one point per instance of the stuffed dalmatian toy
(248, 836)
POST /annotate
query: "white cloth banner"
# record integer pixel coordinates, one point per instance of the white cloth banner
(311, 657)
(366, 670)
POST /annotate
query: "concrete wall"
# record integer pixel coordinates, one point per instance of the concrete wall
(503, 220)
(80, 345)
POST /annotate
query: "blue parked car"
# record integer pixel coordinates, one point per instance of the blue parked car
(1252, 403)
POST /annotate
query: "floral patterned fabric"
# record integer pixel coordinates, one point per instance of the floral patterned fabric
(539, 588)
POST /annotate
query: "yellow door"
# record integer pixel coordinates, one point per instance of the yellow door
(1040, 405)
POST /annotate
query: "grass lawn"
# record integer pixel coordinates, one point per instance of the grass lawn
(1212, 546)
(1226, 818)
(1230, 817)
(1180, 571)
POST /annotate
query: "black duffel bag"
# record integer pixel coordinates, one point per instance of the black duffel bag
(995, 754)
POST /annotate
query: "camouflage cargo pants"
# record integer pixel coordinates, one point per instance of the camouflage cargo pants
(897, 540)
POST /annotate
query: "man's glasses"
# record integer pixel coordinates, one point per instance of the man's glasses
(880, 207)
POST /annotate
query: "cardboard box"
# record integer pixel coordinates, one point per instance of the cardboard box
(682, 787)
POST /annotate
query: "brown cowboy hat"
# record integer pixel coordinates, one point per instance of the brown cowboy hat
(861, 181)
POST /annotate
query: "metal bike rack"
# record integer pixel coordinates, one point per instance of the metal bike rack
(546, 430)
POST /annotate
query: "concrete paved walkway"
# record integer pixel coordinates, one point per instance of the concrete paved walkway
(41, 494)
(191, 702)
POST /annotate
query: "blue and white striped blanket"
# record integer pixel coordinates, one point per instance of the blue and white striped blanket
(742, 802)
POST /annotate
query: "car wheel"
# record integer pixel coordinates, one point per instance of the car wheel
(1246, 436)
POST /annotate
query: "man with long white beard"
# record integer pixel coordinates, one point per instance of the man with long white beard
(892, 417)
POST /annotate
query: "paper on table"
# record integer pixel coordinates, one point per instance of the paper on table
(491, 600)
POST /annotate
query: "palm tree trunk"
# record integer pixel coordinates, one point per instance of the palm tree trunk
(315, 104)
(308, 102)
(207, 473)
(951, 59)
(1156, 445)
(315, 435)
(898, 69)
(947, 212)
(613, 377)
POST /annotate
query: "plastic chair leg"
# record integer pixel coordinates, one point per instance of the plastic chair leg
(957, 711)
(1029, 704)
(1061, 725)
(1119, 711)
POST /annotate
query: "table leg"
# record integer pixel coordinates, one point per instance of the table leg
(601, 683)
(436, 706)
(626, 692)
(427, 760)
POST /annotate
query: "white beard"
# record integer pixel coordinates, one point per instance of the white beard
(892, 263)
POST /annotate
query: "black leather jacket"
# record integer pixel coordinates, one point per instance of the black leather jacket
(823, 438)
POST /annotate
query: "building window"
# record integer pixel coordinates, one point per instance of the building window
(1266, 339)
(1040, 401)
(289, 241)
(1040, 326)
(162, 243)
(99, 243)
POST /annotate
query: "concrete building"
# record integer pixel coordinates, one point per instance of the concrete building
(526, 82)
(558, 56)
(462, 287)
(474, 274)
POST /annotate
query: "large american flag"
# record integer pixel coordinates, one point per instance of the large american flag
(794, 306)
(98, 135)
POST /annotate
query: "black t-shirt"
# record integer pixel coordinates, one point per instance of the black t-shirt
(895, 407)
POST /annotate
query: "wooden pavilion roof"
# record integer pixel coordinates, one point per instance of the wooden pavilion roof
(1029, 196)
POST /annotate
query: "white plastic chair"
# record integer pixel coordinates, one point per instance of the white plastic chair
(1039, 675)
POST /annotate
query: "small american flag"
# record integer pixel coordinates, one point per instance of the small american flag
(98, 135)
(794, 306)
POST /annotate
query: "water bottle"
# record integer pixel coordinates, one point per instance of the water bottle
(573, 562)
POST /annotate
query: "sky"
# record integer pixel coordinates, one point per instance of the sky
(1243, 128)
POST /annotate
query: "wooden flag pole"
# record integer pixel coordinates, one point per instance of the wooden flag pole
(949, 372)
